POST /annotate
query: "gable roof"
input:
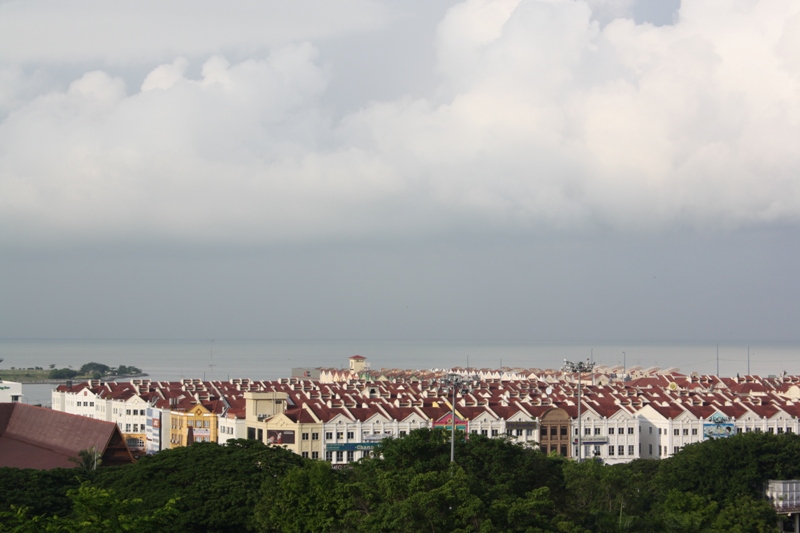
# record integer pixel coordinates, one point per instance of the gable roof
(40, 438)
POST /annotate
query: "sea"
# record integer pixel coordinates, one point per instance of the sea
(220, 359)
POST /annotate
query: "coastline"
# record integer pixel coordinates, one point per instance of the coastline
(77, 379)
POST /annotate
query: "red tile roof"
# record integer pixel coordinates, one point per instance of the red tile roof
(40, 438)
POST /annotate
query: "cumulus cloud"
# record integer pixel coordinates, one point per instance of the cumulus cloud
(118, 33)
(548, 114)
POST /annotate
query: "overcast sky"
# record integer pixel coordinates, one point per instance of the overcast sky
(507, 170)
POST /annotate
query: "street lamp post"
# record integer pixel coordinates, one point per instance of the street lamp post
(580, 367)
(455, 383)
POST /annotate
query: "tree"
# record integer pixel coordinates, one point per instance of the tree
(746, 515)
(216, 487)
(94, 510)
(725, 469)
(42, 492)
(92, 368)
(62, 373)
(88, 459)
(309, 498)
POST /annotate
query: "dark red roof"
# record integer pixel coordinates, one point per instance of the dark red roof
(40, 438)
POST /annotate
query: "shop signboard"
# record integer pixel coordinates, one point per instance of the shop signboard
(152, 431)
(280, 436)
(351, 446)
(520, 425)
(446, 423)
(718, 426)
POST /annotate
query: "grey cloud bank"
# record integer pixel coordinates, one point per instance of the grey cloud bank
(501, 163)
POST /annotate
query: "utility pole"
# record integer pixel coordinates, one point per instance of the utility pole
(580, 368)
(455, 382)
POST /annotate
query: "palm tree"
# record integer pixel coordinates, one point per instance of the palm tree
(88, 459)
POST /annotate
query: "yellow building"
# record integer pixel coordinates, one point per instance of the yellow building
(273, 420)
(191, 422)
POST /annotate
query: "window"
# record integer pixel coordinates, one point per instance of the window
(350, 435)
(650, 448)
(305, 436)
(528, 432)
(328, 435)
(630, 449)
(315, 455)
(553, 431)
(339, 457)
(610, 450)
(127, 428)
(597, 450)
(207, 424)
(674, 449)
(587, 431)
(596, 431)
(676, 432)
(747, 430)
(329, 456)
(494, 433)
(770, 430)
(611, 432)
(136, 428)
(339, 435)
(738, 430)
(694, 431)
(350, 457)
(563, 431)
(403, 433)
(519, 432)
(484, 432)
(685, 431)
(305, 455)
(127, 411)
(780, 430)
(788, 430)
(651, 430)
(91, 404)
(620, 450)
(315, 436)
(630, 431)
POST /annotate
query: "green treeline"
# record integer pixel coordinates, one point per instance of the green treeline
(94, 371)
(496, 486)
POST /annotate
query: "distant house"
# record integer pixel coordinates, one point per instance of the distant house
(40, 438)
(10, 391)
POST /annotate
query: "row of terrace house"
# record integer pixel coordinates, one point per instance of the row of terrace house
(651, 417)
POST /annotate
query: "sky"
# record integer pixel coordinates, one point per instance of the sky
(479, 170)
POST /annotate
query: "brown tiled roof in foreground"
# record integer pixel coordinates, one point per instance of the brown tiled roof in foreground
(40, 438)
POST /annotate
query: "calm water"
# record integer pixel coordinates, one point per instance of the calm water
(223, 359)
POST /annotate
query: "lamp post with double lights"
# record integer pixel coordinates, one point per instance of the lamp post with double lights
(580, 367)
(455, 383)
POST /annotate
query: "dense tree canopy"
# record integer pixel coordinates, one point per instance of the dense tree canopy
(409, 485)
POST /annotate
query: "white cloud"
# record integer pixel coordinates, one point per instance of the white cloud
(545, 117)
(120, 33)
